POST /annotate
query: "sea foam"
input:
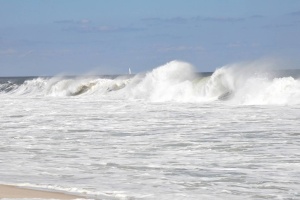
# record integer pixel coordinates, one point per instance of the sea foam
(175, 81)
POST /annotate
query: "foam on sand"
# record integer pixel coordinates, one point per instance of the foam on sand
(9, 191)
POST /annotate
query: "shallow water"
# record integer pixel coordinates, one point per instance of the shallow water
(167, 134)
(135, 149)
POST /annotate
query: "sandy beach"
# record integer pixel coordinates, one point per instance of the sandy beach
(8, 191)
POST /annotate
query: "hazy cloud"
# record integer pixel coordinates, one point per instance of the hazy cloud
(275, 26)
(56, 52)
(235, 45)
(220, 19)
(13, 52)
(182, 20)
(103, 29)
(297, 13)
(82, 21)
(243, 44)
(8, 52)
(179, 48)
(257, 17)
(86, 26)
(174, 20)
(25, 54)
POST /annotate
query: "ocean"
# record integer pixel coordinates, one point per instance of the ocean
(169, 133)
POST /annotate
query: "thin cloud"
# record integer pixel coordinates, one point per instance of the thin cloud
(295, 14)
(221, 19)
(257, 17)
(101, 29)
(179, 48)
(182, 20)
(69, 21)
(64, 22)
(13, 52)
(57, 52)
(276, 26)
(8, 52)
(235, 45)
(243, 45)
(25, 54)
(86, 26)
(174, 20)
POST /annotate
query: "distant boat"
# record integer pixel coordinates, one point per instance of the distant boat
(129, 71)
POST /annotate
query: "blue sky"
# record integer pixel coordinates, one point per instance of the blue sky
(51, 37)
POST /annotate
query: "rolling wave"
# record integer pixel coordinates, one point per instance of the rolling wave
(175, 81)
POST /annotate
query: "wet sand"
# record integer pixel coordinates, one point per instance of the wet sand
(8, 191)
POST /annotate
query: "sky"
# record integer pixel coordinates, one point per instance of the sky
(51, 37)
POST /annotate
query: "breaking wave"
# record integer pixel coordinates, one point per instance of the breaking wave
(175, 81)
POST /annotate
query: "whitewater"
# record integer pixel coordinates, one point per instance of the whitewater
(170, 133)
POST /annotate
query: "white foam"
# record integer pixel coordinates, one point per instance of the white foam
(170, 82)
(87, 194)
(175, 81)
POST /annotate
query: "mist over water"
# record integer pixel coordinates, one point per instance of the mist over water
(170, 133)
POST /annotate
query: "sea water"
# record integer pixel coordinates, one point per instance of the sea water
(167, 134)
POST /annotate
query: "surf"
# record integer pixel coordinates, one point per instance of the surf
(175, 81)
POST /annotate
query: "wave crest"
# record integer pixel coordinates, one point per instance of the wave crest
(174, 81)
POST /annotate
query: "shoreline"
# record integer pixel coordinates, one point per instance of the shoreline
(11, 191)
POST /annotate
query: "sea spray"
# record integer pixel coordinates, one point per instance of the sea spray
(170, 82)
(175, 81)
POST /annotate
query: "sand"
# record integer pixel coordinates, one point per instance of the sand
(8, 191)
